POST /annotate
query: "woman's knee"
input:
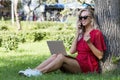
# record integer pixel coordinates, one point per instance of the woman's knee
(54, 55)
(60, 56)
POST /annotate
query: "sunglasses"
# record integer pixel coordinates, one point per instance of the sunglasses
(83, 17)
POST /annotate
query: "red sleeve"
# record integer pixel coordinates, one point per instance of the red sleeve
(99, 41)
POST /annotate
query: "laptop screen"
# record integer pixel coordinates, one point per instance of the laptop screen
(56, 47)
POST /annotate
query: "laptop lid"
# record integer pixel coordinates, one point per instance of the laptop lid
(56, 47)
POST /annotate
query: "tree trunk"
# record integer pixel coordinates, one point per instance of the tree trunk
(108, 16)
(16, 15)
(12, 12)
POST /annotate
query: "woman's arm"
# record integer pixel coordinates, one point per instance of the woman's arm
(96, 52)
(73, 46)
(77, 36)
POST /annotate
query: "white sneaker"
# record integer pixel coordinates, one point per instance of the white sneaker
(30, 72)
(21, 72)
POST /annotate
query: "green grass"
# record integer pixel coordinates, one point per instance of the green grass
(30, 55)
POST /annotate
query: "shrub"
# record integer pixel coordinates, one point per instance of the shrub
(21, 37)
(39, 35)
(0, 41)
(3, 27)
(10, 42)
(31, 36)
(36, 31)
(67, 39)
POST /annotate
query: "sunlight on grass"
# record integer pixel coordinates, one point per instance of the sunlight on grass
(31, 55)
(26, 53)
(35, 48)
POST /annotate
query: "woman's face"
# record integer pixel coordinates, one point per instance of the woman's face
(85, 18)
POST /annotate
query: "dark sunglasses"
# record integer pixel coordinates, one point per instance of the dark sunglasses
(83, 17)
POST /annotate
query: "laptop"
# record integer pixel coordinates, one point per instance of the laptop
(56, 47)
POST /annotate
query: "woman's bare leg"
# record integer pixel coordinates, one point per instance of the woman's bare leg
(46, 62)
(54, 65)
(71, 64)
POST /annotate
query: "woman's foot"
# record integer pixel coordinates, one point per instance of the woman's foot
(30, 72)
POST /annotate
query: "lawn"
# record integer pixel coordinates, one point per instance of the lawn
(30, 55)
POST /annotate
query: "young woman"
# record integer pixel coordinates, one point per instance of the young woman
(88, 43)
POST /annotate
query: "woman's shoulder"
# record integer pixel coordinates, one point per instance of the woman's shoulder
(96, 32)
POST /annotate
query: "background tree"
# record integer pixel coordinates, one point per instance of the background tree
(27, 4)
(108, 16)
(51, 1)
(5, 3)
(16, 14)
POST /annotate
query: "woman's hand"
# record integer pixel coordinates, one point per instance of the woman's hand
(79, 29)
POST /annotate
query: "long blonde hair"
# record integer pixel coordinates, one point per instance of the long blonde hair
(91, 12)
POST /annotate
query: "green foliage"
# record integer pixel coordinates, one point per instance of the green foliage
(3, 27)
(66, 38)
(115, 60)
(35, 31)
(65, 12)
(46, 25)
(6, 26)
(21, 36)
(31, 36)
(0, 41)
(57, 31)
(39, 35)
(10, 42)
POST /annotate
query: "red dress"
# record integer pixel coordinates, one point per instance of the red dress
(87, 60)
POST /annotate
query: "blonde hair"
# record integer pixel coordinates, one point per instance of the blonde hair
(91, 13)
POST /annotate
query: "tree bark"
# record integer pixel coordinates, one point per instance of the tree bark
(107, 13)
